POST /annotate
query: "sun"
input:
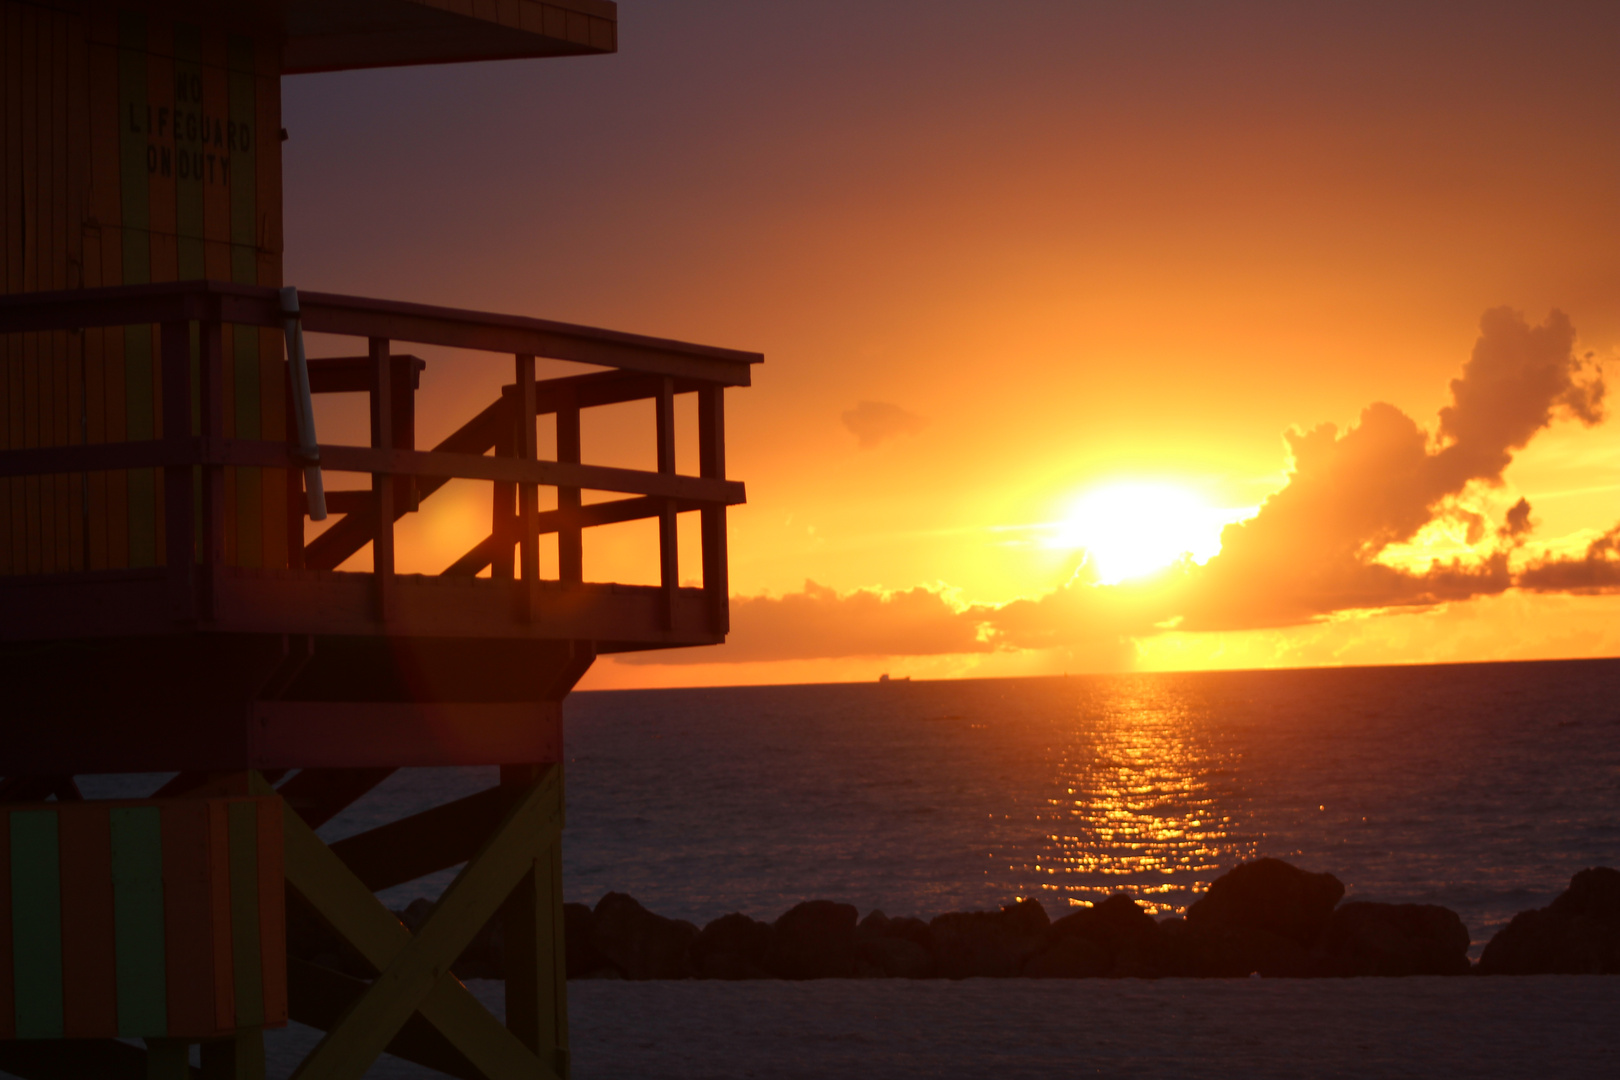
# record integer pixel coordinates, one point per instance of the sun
(1135, 529)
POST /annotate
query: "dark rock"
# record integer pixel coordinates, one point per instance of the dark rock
(1271, 896)
(732, 947)
(1262, 916)
(1592, 894)
(895, 948)
(640, 944)
(878, 925)
(1577, 934)
(814, 940)
(1392, 939)
(987, 943)
(1235, 953)
(583, 961)
(1115, 938)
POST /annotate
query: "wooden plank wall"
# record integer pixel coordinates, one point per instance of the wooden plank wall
(135, 150)
(160, 918)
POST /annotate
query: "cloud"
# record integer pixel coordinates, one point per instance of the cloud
(1597, 571)
(1316, 548)
(1517, 525)
(872, 422)
(819, 622)
(1313, 549)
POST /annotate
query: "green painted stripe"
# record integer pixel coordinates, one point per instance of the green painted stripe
(36, 923)
(137, 875)
(246, 961)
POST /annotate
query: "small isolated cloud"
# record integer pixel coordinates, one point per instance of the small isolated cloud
(872, 422)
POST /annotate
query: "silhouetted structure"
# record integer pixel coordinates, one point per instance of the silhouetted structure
(160, 610)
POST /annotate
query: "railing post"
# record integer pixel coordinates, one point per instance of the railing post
(505, 495)
(180, 521)
(527, 494)
(297, 501)
(211, 397)
(382, 484)
(405, 380)
(570, 538)
(668, 542)
(712, 464)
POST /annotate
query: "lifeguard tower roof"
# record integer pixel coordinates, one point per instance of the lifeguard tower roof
(341, 35)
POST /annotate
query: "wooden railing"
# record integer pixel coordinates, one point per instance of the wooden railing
(498, 445)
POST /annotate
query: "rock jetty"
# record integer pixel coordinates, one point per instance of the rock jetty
(1577, 934)
(1265, 917)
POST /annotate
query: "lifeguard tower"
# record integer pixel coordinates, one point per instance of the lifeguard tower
(161, 611)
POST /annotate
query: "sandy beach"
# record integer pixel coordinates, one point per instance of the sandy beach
(1013, 1028)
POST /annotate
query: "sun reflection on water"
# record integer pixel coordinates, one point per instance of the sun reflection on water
(1144, 800)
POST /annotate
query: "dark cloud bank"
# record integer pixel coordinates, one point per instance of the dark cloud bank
(1311, 551)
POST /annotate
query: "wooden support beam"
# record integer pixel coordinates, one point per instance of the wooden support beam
(318, 996)
(570, 522)
(211, 398)
(536, 967)
(712, 465)
(297, 502)
(424, 843)
(669, 562)
(424, 733)
(319, 795)
(382, 485)
(406, 378)
(179, 518)
(504, 500)
(527, 494)
(352, 374)
(581, 655)
(325, 313)
(414, 971)
(430, 466)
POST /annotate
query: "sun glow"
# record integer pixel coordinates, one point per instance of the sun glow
(1135, 529)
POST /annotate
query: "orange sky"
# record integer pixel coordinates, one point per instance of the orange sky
(1055, 246)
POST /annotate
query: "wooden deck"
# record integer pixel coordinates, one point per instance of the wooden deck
(205, 662)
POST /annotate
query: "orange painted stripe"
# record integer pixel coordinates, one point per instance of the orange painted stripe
(272, 913)
(219, 893)
(188, 917)
(89, 974)
(8, 992)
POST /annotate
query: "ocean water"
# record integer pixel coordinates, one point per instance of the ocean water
(1479, 787)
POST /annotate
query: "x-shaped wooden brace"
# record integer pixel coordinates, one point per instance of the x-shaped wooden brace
(414, 970)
